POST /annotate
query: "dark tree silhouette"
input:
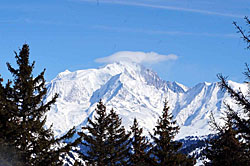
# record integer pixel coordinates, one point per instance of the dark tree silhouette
(22, 110)
(139, 155)
(225, 148)
(105, 139)
(165, 150)
(117, 140)
(94, 137)
(245, 35)
(235, 135)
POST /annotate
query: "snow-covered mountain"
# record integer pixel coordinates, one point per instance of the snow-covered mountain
(133, 91)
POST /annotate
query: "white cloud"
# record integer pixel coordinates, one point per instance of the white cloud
(138, 57)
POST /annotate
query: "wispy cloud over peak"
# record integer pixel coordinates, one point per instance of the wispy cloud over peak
(137, 57)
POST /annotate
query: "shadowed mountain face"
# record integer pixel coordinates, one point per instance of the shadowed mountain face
(133, 91)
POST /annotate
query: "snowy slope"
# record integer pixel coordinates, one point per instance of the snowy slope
(133, 91)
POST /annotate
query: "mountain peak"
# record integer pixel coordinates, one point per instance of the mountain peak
(66, 72)
(123, 65)
(133, 91)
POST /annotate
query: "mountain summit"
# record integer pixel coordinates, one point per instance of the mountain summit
(133, 91)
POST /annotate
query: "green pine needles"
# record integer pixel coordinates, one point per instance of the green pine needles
(165, 149)
(108, 143)
(140, 146)
(22, 111)
(106, 139)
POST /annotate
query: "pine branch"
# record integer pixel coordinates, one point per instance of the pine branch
(245, 36)
(237, 96)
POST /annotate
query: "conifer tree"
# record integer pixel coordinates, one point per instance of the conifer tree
(105, 139)
(165, 149)
(240, 118)
(22, 111)
(94, 137)
(7, 126)
(139, 155)
(225, 148)
(117, 141)
(243, 101)
(8, 153)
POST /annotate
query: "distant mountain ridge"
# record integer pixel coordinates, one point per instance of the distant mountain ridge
(133, 91)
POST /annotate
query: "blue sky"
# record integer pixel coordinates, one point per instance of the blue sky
(191, 40)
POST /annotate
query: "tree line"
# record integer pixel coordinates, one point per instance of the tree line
(24, 140)
(22, 111)
(108, 143)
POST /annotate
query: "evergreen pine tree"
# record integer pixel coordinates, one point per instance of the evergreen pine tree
(22, 113)
(6, 125)
(240, 118)
(94, 137)
(9, 155)
(117, 140)
(225, 149)
(139, 155)
(165, 149)
(242, 124)
(105, 139)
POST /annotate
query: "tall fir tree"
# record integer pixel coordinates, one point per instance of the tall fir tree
(240, 118)
(225, 148)
(22, 110)
(241, 123)
(7, 125)
(117, 140)
(105, 139)
(8, 153)
(139, 154)
(165, 149)
(94, 137)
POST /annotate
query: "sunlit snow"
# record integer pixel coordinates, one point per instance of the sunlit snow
(133, 91)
